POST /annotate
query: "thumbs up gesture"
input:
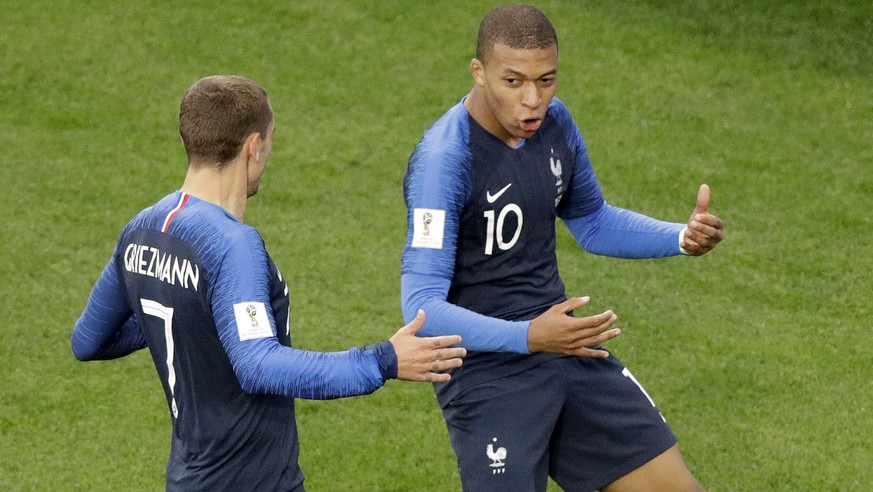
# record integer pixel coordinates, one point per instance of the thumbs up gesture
(704, 230)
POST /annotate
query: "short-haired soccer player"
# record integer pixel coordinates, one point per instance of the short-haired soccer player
(537, 396)
(193, 283)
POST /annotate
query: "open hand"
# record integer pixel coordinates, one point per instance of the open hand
(424, 358)
(555, 331)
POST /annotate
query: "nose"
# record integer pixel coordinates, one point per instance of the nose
(531, 97)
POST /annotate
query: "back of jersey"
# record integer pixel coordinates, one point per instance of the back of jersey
(221, 435)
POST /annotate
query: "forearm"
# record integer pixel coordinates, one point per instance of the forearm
(267, 367)
(121, 342)
(478, 332)
(620, 233)
(107, 328)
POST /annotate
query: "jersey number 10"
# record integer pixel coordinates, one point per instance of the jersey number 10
(495, 232)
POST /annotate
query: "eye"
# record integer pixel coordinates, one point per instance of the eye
(547, 81)
(512, 81)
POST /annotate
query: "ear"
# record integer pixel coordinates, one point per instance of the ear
(251, 147)
(477, 69)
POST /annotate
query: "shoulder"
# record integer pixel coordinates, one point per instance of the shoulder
(569, 129)
(439, 167)
(447, 138)
(559, 111)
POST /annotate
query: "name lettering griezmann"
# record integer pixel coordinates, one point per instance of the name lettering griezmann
(151, 262)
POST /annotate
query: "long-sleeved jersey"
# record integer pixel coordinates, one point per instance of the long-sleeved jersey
(197, 287)
(480, 251)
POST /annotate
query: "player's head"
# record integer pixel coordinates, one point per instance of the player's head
(515, 70)
(516, 26)
(219, 114)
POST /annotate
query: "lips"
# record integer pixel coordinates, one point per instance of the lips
(531, 124)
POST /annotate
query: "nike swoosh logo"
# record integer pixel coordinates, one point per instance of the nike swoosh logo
(493, 198)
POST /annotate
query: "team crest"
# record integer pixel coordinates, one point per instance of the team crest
(555, 165)
(497, 457)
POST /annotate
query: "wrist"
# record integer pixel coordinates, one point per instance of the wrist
(681, 240)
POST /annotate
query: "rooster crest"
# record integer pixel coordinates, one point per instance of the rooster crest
(497, 457)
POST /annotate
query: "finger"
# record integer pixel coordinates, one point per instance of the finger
(592, 353)
(608, 335)
(600, 321)
(444, 340)
(414, 325)
(571, 304)
(703, 195)
(437, 377)
(698, 231)
(453, 353)
(704, 235)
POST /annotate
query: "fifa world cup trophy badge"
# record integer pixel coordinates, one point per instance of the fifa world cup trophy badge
(426, 219)
(251, 312)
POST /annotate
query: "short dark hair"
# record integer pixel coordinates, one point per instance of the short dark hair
(517, 26)
(218, 113)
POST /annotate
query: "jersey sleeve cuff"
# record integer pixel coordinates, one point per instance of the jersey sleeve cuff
(681, 237)
(387, 359)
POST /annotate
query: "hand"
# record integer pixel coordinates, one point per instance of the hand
(554, 331)
(423, 358)
(704, 230)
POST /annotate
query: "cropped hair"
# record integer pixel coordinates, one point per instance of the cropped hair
(218, 113)
(517, 26)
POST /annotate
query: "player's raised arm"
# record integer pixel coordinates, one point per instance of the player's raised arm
(424, 358)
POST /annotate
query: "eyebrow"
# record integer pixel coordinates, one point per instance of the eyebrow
(521, 75)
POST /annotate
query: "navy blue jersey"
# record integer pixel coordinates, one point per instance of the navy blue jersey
(482, 216)
(480, 253)
(197, 287)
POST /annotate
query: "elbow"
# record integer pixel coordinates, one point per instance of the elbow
(251, 377)
(82, 351)
(81, 354)
(249, 381)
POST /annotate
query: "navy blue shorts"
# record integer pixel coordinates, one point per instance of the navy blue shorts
(584, 422)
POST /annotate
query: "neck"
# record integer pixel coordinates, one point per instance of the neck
(225, 187)
(479, 111)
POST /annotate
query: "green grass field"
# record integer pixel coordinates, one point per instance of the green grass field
(759, 354)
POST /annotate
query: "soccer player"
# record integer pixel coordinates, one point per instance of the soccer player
(537, 396)
(193, 283)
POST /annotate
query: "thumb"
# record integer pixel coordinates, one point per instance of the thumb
(703, 195)
(414, 325)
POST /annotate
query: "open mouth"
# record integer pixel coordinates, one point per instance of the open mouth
(531, 124)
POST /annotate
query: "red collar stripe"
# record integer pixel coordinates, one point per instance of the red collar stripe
(172, 215)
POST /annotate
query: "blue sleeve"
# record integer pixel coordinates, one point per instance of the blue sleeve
(107, 328)
(599, 227)
(437, 180)
(478, 332)
(620, 233)
(263, 365)
(583, 195)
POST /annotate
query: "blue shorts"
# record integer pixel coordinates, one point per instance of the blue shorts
(584, 422)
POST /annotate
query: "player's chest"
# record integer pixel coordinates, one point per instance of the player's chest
(529, 180)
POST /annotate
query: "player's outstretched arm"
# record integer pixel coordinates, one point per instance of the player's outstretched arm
(704, 230)
(555, 331)
(424, 358)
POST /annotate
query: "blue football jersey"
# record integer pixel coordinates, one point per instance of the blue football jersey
(482, 216)
(197, 287)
